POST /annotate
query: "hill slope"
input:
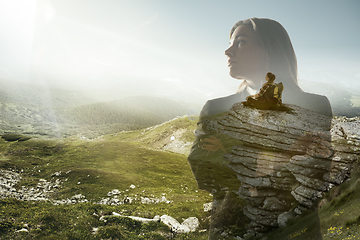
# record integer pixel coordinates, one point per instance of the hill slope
(143, 111)
(343, 102)
(137, 164)
(148, 182)
(39, 111)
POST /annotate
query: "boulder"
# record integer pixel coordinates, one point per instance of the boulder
(284, 160)
(189, 225)
(192, 223)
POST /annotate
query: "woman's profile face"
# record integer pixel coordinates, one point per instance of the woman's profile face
(246, 59)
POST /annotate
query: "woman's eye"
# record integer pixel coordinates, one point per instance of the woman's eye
(241, 42)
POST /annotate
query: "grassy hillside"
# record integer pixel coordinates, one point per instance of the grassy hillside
(93, 168)
(339, 213)
(138, 111)
(134, 163)
(41, 110)
(56, 113)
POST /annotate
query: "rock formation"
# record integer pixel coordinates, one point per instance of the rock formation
(286, 161)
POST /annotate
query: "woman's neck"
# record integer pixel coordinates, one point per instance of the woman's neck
(255, 84)
(252, 88)
(248, 86)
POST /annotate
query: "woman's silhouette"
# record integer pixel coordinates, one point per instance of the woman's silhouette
(257, 46)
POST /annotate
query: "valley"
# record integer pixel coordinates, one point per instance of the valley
(88, 161)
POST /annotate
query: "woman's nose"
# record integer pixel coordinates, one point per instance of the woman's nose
(228, 52)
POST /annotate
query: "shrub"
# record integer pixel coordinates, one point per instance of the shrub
(14, 137)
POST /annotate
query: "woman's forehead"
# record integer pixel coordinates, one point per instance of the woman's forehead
(243, 30)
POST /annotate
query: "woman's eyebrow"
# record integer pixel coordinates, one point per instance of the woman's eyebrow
(241, 35)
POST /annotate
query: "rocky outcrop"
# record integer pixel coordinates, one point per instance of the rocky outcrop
(345, 135)
(40, 192)
(286, 161)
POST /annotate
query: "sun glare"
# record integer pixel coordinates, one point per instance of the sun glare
(17, 14)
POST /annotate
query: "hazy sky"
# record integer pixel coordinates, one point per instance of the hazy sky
(100, 43)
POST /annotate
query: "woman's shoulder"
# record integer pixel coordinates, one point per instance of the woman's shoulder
(315, 102)
(219, 105)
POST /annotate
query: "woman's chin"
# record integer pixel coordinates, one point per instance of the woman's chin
(234, 74)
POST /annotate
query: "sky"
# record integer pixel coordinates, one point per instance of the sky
(168, 48)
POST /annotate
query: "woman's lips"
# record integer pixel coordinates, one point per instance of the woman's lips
(230, 63)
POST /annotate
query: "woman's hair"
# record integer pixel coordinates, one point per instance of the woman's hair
(276, 42)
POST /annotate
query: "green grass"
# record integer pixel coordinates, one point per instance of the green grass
(93, 168)
(100, 166)
(158, 136)
(46, 221)
(339, 217)
(138, 112)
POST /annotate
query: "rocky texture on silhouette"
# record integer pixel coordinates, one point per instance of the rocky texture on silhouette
(345, 135)
(286, 161)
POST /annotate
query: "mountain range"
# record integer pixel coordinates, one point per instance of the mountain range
(47, 110)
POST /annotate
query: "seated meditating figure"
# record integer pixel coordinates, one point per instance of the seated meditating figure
(269, 96)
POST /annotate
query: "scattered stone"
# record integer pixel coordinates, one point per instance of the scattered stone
(192, 223)
(56, 174)
(41, 192)
(146, 200)
(208, 206)
(128, 200)
(140, 219)
(95, 230)
(114, 192)
(78, 197)
(102, 218)
(171, 222)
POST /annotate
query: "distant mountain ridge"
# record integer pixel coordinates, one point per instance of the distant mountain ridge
(54, 112)
(143, 111)
(42, 111)
(342, 101)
